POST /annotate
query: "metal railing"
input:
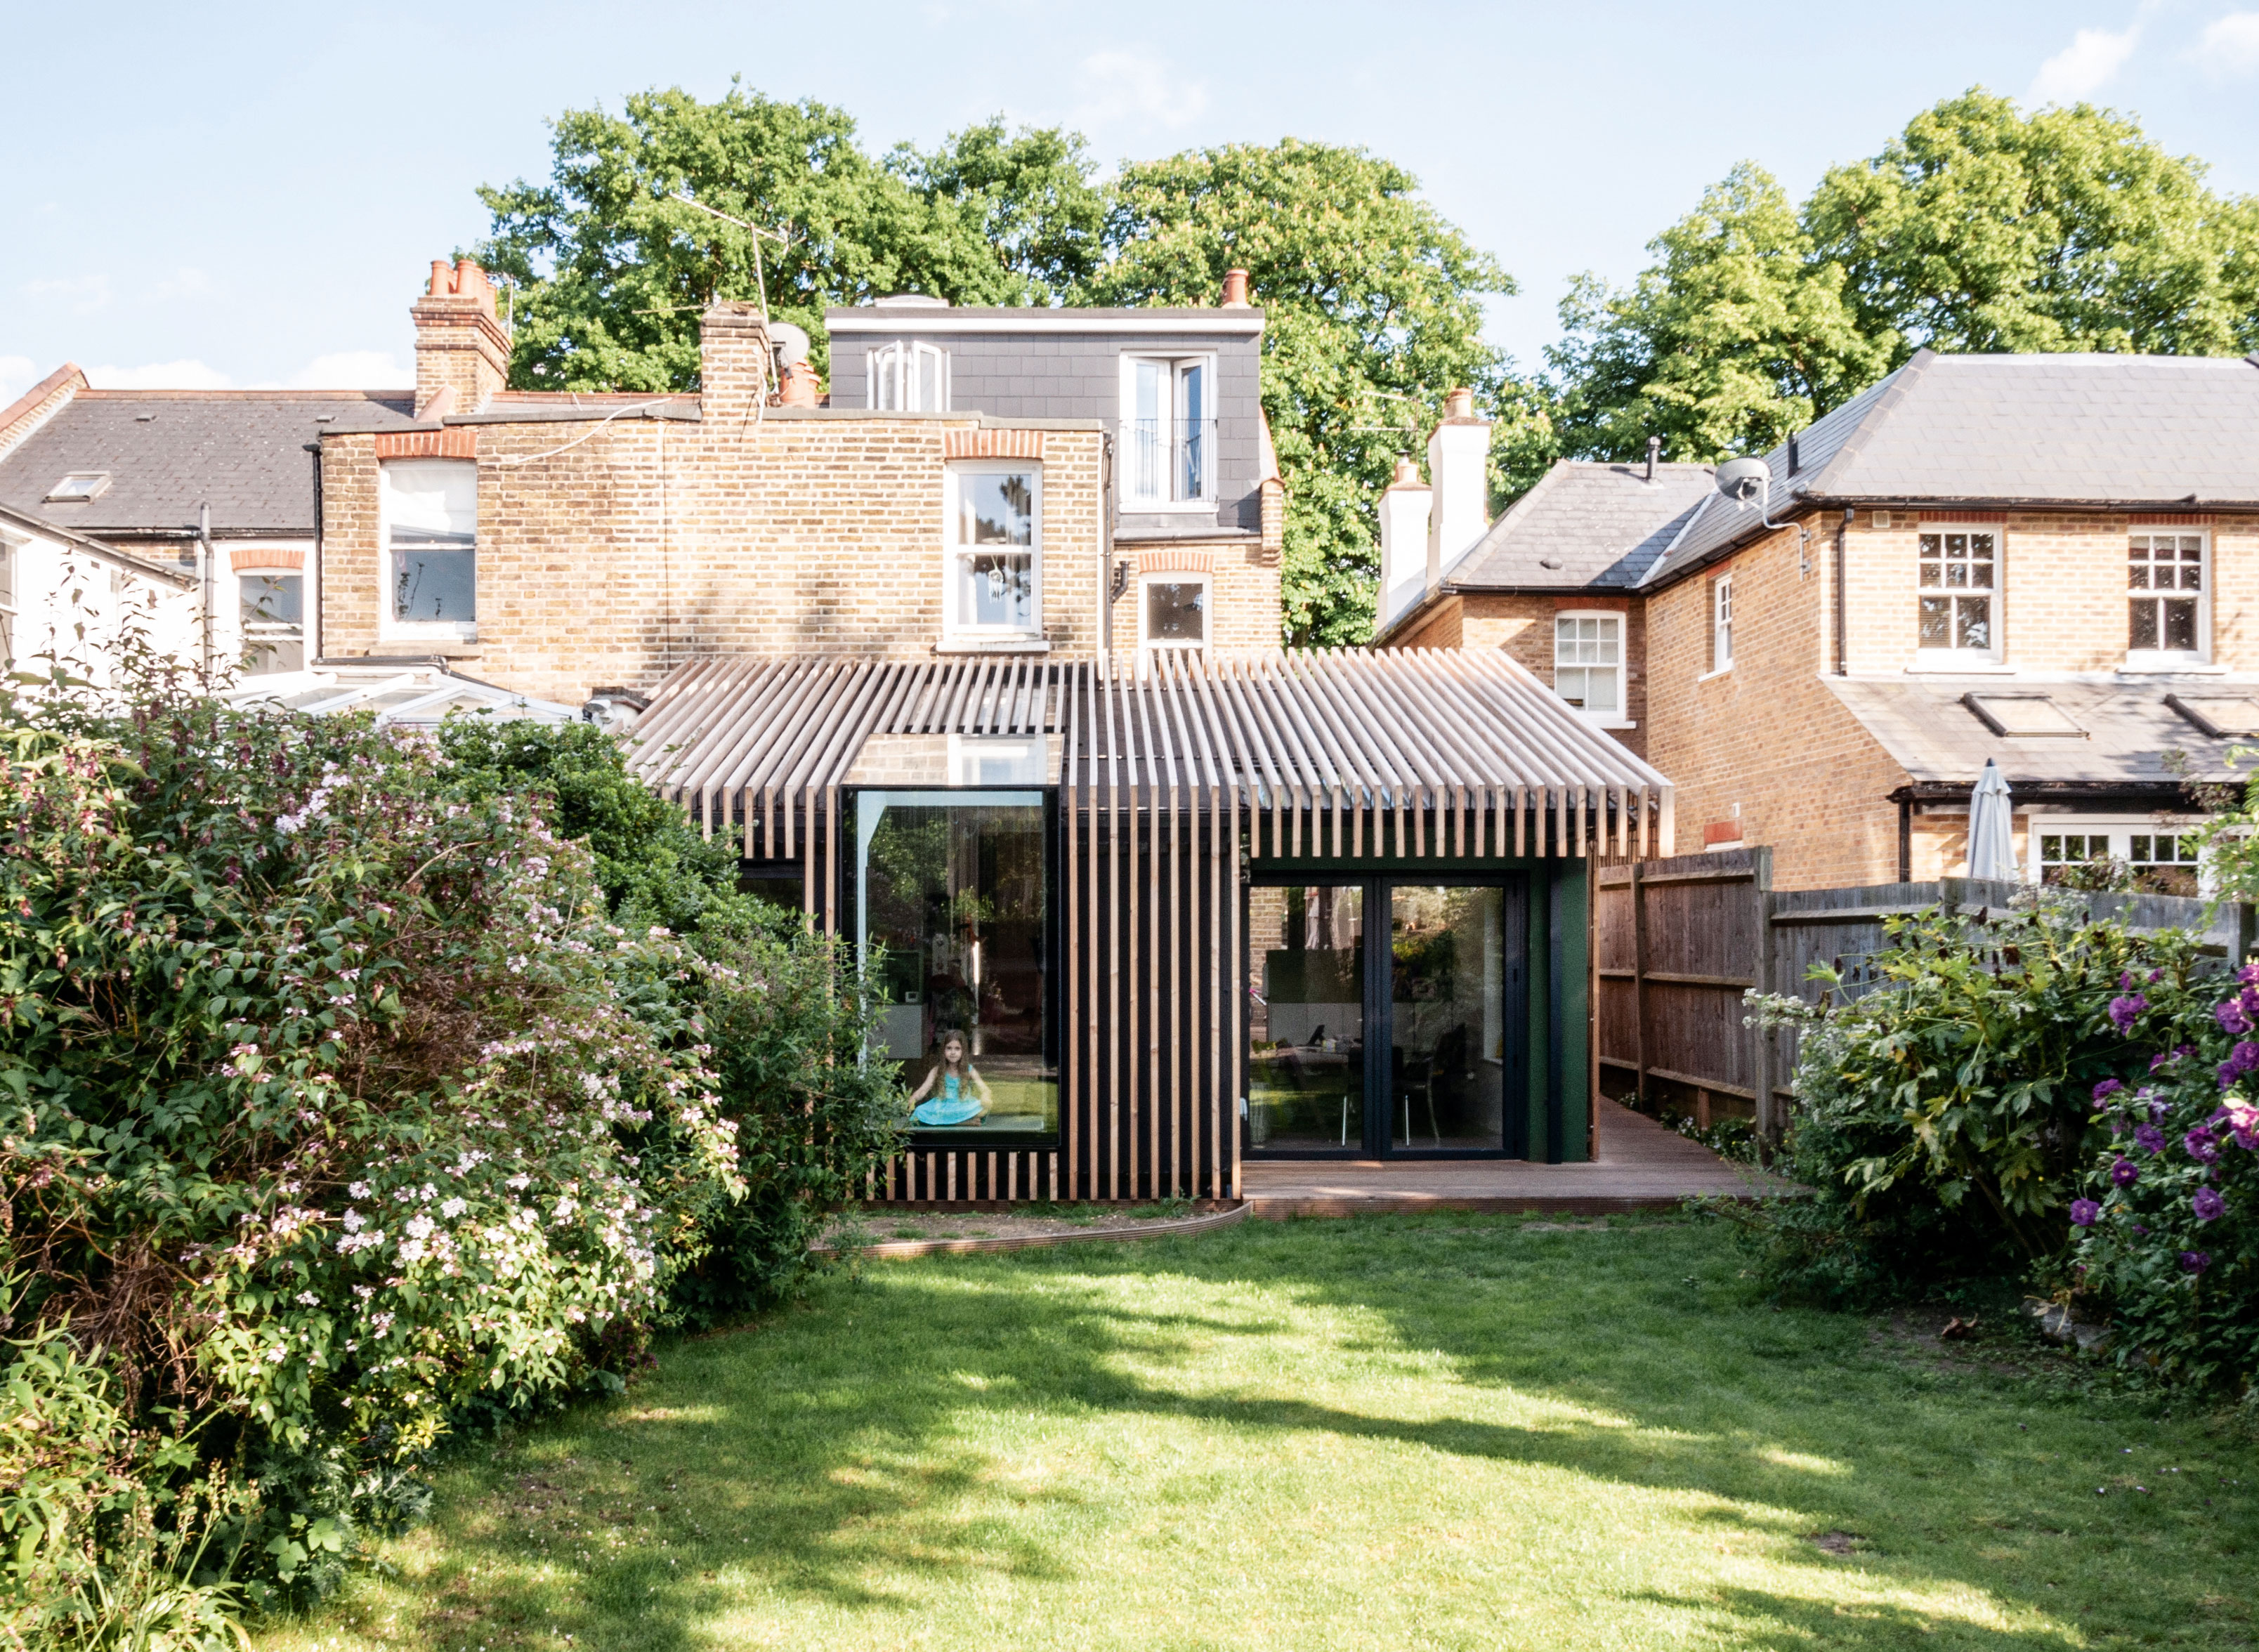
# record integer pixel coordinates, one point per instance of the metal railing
(1168, 461)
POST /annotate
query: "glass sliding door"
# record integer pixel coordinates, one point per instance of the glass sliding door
(952, 915)
(1305, 1071)
(1448, 1049)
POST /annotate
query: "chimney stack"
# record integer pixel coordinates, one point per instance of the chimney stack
(462, 354)
(1403, 541)
(734, 364)
(1458, 466)
(1235, 290)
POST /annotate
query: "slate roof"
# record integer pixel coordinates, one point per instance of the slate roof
(1598, 526)
(1930, 733)
(2091, 430)
(241, 452)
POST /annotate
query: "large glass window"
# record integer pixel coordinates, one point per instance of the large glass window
(431, 522)
(272, 608)
(909, 378)
(1958, 579)
(1169, 430)
(1447, 1015)
(952, 912)
(1306, 1080)
(995, 549)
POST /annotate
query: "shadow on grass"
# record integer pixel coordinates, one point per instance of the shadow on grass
(826, 1457)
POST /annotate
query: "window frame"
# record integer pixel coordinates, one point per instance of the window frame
(2119, 829)
(244, 635)
(390, 626)
(11, 595)
(1148, 643)
(1929, 658)
(1621, 718)
(1177, 362)
(884, 363)
(2172, 658)
(952, 630)
(1721, 599)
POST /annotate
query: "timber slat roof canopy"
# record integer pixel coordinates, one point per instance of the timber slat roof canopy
(1466, 752)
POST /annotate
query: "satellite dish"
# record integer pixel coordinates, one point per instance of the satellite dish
(1744, 479)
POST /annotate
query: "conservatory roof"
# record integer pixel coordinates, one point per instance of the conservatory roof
(416, 692)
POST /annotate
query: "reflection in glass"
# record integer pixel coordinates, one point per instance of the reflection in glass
(1447, 1057)
(273, 614)
(1176, 612)
(950, 908)
(1306, 1080)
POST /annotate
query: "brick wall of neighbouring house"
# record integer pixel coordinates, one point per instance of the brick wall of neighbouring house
(1243, 586)
(1768, 734)
(2063, 586)
(1522, 625)
(652, 540)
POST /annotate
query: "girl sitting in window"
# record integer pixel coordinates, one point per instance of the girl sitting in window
(960, 1096)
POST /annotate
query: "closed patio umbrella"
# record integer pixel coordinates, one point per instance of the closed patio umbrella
(1992, 829)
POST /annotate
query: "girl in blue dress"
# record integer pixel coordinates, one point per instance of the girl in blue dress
(959, 1095)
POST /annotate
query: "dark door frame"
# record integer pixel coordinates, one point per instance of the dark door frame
(1379, 1004)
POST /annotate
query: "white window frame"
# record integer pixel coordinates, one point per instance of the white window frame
(1995, 593)
(884, 366)
(2173, 658)
(2121, 830)
(1149, 504)
(1621, 718)
(11, 599)
(388, 626)
(1145, 581)
(304, 577)
(953, 629)
(1721, 623)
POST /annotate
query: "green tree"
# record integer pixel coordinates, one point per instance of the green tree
(1981, 228)
(1736, 336)
(612, 265)
(1373, 310)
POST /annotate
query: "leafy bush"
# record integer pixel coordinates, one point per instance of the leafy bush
(333, 1103)
(2169, 1234)
(1943, 1123)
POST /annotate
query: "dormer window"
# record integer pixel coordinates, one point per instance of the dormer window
(909, 378)
(1168, 430)
(79, 486)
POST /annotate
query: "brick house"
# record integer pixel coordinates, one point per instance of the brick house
(2051, 562)
(978, 657)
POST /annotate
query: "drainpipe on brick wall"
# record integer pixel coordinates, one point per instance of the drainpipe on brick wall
(1106, 542)
(1842, 651)
(1906, 840)
(204, 585)
(314, 610)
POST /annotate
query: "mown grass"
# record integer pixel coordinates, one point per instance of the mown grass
(1437, 1432)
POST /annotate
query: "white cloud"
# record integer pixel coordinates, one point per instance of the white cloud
(18, 374)
(1130, 85)
(353, 370)
(184, 282)
(159, 375)
(2088, 63)
(2230, 44)
(84, 294)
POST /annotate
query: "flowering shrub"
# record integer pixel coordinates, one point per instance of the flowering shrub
(331, 1103)
(1943, 1122)
(2167, 1232)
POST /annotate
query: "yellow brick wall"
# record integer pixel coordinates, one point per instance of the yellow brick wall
(653, 540)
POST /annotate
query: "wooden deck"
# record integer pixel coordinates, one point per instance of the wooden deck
(1642, 1166)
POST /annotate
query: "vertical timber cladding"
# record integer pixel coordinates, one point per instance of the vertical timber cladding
(1172, 772)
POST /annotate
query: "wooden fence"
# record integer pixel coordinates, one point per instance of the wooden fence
(1676, 943)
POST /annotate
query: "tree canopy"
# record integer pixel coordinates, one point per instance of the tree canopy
(1977, 228)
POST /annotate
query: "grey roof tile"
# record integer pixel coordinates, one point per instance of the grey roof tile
(1604, 524)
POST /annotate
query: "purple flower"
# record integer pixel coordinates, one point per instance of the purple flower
(2126, 981)
(2107, 1088)
(2208, 1204)
(2125, 1172)
(2148, 1138)
(2232, 1019)
(2084, 1213)
(2195, 1261)
(2200, 1146)
(2139, 1232)
(2124, 1010)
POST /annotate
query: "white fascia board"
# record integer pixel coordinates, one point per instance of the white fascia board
(918, 323)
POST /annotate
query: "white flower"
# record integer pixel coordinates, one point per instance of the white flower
(308, 1300)
(411, 1249)
(419, 1227)
(453, 1208)
(277, 1356)
(354, 1221)
(359, 1190)
(566, 1206)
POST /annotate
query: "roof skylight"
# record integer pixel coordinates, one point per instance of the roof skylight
(78, 485)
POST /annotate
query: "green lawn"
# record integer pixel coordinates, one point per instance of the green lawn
(1444, 1431)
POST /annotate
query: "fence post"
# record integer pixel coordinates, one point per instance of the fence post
(1761, 889)
(1638, 889)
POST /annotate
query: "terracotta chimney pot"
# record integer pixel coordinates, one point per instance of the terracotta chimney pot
(1235, 290)
(1459, 404)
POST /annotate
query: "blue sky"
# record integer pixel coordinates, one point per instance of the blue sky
(249, 196)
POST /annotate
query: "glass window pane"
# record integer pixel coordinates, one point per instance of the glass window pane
(996, 589)
(951, 897)
(995, 508)
(1176, 611)
(2180, 624)
(1937, 622)
(1306, 1026)
(1569, 683)
(1974, 615)
(272, 599)
(434, 585)
(1447, 1055)
(2143, 632)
